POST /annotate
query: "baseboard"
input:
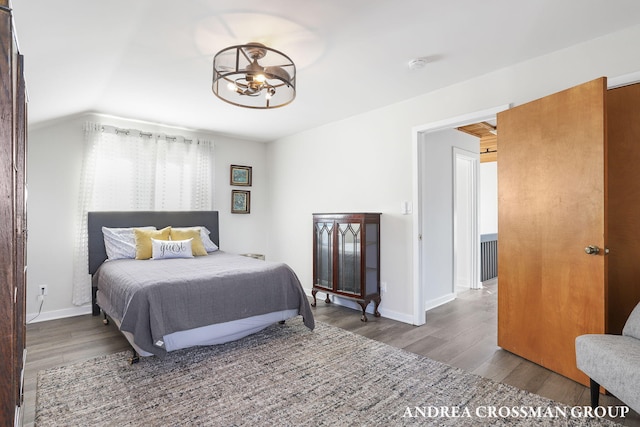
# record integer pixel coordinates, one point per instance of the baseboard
(58, 314)
(388, 314)
(86, 309)
(431, 304)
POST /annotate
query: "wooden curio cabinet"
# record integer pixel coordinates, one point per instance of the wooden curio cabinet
(346, 257)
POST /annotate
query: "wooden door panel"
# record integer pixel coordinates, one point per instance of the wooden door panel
(623, 186)
(551, 206)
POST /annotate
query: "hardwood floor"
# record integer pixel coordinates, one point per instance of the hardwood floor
(462, 333)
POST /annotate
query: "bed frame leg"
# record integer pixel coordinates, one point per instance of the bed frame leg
(95, 309)
(135, 357)
(106, 319)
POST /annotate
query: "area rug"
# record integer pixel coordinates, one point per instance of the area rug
(287, 375)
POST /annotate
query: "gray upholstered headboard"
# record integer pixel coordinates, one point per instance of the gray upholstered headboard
(159, 219)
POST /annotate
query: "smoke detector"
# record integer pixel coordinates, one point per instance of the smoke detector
(418, 63)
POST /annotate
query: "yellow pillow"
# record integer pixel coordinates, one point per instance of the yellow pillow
(197, 247)
(143, 240)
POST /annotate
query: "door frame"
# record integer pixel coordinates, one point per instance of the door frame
(418, 133)
(624, 80)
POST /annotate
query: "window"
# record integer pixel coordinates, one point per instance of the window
(126, 169)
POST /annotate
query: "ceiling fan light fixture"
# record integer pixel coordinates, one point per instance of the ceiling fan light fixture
(277, 73)
(270, 92)
(257, 76)
(260, 78)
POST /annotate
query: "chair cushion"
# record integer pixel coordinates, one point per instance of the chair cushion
(632, 327)
(614, 362)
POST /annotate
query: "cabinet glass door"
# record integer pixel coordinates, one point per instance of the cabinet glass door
(349, 260)
(324, 254)
(371, 262)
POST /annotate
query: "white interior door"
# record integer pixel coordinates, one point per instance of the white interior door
(465, 220)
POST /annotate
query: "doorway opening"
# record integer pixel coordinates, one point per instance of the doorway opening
(487, 203)
(426, 274)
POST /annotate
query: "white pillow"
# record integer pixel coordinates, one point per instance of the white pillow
(121, 242)
(166, 249)
(209, 246)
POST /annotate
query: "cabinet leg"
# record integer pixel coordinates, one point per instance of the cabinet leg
(328, 300)
(376, 302)
(364, 305)
(313, 293)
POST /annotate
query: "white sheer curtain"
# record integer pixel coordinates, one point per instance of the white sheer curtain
(134, 170)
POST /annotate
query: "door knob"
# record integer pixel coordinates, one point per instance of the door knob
(592, 250)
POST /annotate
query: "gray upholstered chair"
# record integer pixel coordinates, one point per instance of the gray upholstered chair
(613, 361)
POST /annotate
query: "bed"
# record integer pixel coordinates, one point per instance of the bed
(162, 305)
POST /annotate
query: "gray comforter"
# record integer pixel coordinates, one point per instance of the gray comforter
(154, 298)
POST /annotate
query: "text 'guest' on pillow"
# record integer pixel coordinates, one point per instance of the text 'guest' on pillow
(167, 249)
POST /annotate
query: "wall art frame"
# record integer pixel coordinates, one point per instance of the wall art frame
(240, 202)
(240, 175)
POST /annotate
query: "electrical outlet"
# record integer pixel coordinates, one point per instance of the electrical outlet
(383, 287)
(42, 291)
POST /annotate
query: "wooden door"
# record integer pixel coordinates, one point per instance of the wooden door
(551, 205)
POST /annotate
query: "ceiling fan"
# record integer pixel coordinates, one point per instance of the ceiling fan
(254, 76)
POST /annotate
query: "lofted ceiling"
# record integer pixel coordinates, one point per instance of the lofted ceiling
(488, 135)
(151, 60)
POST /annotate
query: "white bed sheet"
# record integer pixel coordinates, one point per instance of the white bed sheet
(217, 334)
(208, 335)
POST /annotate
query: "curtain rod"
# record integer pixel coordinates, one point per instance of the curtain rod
(147, 134)
(97, 126)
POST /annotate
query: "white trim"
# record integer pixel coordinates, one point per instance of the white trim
(419, 317)
(488, 114)
(624, 80)
(429, 305)
(462, 120)
(343, 302)
(58, 314)
(394, 315)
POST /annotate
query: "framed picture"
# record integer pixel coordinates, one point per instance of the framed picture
(241, 175)
(240, 201)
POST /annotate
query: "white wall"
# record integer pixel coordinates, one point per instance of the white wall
(488, 200)
(356, 165)
(54, 163)
(364, 163)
